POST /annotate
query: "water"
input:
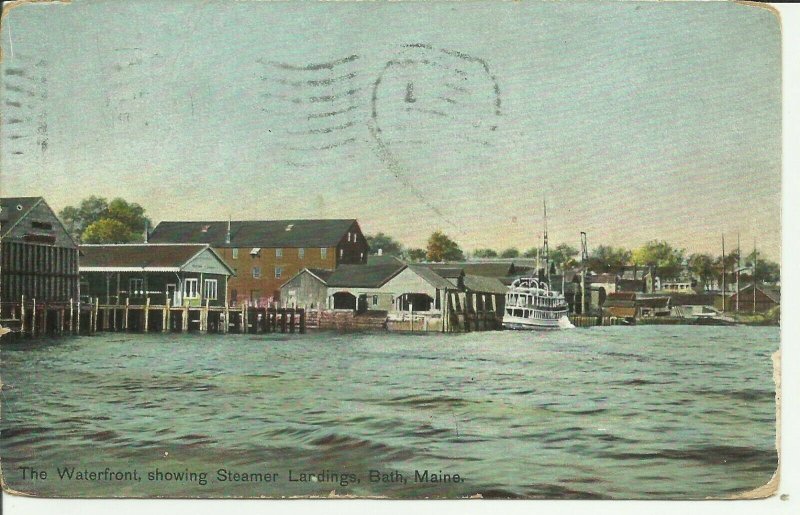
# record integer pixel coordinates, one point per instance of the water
(614, 412)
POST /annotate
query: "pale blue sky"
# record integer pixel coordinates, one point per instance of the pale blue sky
(638, 120)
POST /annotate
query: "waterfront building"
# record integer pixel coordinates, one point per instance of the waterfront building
(38, 257)
(181, 274)
(636, 305)
(388, 284)
(265, 253)
(765, 298)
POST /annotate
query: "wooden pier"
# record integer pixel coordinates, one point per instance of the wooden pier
(31, 319)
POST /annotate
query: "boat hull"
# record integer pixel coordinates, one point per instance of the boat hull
(528, 324)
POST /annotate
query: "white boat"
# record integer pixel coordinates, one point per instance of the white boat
(531, 304)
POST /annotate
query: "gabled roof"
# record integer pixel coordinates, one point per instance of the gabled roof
(477, 283)
(773, 294)
(145, 257)
(255, 233)
(485, 269)
(432, 277)
(13, 209)
(369, 275)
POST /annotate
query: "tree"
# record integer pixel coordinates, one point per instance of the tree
(95, 209)
(388, 245)
(608, 259)
(660, 254)
(532, 252)
(702, 266)
(109, 230)
(416, 255)
(766, 270)
(510, 253)
(442, 248)
(89, 211)
(485, 253)
(563, 256)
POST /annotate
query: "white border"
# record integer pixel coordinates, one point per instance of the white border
(790, 330)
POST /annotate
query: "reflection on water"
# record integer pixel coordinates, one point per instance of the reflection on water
(615, 412)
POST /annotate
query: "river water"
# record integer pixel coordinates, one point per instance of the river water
(607, 412)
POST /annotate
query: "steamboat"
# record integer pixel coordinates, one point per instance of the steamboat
(531, 304)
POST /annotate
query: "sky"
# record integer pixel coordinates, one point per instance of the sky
(636, 121)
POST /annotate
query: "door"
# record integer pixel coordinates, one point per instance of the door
(172, 294)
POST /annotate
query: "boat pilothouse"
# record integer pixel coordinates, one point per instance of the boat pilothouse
(531, 304)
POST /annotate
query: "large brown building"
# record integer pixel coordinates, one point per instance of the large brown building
(38, 258)
(264, 254)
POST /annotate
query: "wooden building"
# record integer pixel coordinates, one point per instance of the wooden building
(178, 274)
(38, 258)
(265, 253)
(765, 298)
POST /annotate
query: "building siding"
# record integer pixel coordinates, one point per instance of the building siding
(38, 259)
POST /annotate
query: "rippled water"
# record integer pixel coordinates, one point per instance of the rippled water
(617, 412)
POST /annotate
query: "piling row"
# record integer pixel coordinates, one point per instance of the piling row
(29, 318)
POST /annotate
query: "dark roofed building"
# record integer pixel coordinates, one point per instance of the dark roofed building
(765, 298)
(265, 253)
(184, 275)
(38, 258)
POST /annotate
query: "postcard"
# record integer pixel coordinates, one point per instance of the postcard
(390, 250)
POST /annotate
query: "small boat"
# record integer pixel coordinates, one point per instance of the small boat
(531, 304)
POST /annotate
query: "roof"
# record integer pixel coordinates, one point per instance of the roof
(370, 275)
(477, 283)
(485, 269)
(602, 278)
(255, 233)
(693, 299)
(140, 257)
(773, 294)
(13, 209)
(432, 277)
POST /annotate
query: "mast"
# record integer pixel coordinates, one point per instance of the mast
(546, 248)
(755, 263)
(723, 273)
(584, 261)
(738, 267)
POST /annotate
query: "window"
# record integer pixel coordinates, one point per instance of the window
(190, 288)
(341, 253)
(278, 272)
(136, 287)
(301, 253)
(235, 253)
(210, 289)
(355, 237)
(349, 235)
(374, 300)
(278, 253)
(323, 253)
(42, 225)
(362, 256)
(256, 272)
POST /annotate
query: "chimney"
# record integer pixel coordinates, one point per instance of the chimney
(228, 232)
(380, 252)
(146, 232)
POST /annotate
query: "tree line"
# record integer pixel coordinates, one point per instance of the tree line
(669, 260)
